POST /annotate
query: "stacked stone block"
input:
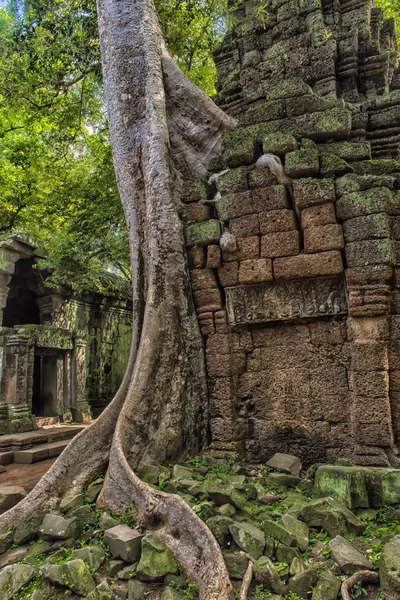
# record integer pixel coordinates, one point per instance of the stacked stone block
(293, 241)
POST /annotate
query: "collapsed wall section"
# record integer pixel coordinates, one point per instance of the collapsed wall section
(293, 240)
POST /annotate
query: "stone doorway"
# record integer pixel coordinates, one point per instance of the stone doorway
(46, 382)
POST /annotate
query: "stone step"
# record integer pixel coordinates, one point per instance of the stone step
(23, 441)
(41, 452)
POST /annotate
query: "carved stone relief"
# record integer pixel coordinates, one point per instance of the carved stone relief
(286, 300)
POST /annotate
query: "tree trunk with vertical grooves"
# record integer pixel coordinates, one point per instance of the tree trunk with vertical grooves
(162, 128)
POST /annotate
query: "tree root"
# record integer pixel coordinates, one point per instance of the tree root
(361, 576)
(247, 579)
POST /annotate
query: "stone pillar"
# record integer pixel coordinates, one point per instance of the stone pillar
(16, 391)
(81, 411)
(371, 417)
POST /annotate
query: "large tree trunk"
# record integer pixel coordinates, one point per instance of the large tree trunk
(161, 127)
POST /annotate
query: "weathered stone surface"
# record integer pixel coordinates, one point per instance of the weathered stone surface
(302, 583)
(347, 556)
(93, 556)
(327, 587)
(298, 529)
(124, 542)
(10, 495)
(323, 238)
(74, 574)
(265, 572)
(27, 529)
(219, 526)
(255, 270)
(359, 487)
(284, 243)
(59, 528)
(93, 491)
(309, 192)
(6, 541)
(107, 521)
(286, 300)
(248, 538)
(156, 559)
(316, 216)
(236, 563)
(285, 462)
(333, 516)
(136, 590)
(101, 592)
(279, 532)
(170, 594)
(202, 234)
(71, 501)
(308, 265)
(13, 578)
(389, 569)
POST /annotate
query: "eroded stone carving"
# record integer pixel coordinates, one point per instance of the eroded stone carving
(286, 300)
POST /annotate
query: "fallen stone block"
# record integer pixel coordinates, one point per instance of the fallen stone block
(347, 556)
(124, 542)
(13, 578)
(10, 495)
(59, 528)
(156, 559)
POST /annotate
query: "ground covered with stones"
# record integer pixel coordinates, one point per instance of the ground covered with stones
(303, 532)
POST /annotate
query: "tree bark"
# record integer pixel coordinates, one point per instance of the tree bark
(162, 128)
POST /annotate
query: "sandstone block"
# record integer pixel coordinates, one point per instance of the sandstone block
(361, 203)
(274, 197)
(309, 192)
(224, 365)
(156, 559)
(229, 274)
(213, 257)
(277, 220)
(369, 356)
(350, 150)
(208, 300)
(282, 243)
(10, 495)
(248, 247)
(194, 191)
(308, 265)
(236, 564)
(302, 163)
(255, 271)
(369, 252)
(327, 587)
(322, 238)
(335, 123)
(366, 228)
(316, 216)
(59, 528)
(235, 180)
(347, 556)
(266, 573)
(285, 462)
(249, 538)
(206, 322)
(301, 583)
(235, 205)
(244, 226)
(261, 177)
(203, 279)
(196, 212)
(279, 143)
(123, 542)
(333, 516)
(13, 578)
(203, 234)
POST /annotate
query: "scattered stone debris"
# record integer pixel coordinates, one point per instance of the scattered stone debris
(300, 545)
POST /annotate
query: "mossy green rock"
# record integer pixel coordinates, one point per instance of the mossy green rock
(219, 526)
(302, 583)
(93, 490)
(201, 234)
(265, 572)
(74, 574)
(170, 594)
(389, 569)
(101, 592)
(227, 510)
(327, 588)
(283, 479)
(60, 528)
(298, 529)
(13, 578)
(279, 143)
(92, 555)
(27, 529)
(6, 541)
(302, 163)
(279, 532)
(332, 516)
(285, 554)
(331, 165)
(358, 487)
(136, 590)
(236, 563)
(156, 560)
(71, 501)
(249, 538)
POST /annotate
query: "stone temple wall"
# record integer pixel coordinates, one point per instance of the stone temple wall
(294, 240)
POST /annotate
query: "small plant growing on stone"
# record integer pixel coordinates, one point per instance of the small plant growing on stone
(191, 592)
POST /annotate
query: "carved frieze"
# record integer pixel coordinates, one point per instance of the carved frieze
(286, 300)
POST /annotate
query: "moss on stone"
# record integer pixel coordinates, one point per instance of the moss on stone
(381, 166)
(203, 234)
(333, 166)
(288, 88)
